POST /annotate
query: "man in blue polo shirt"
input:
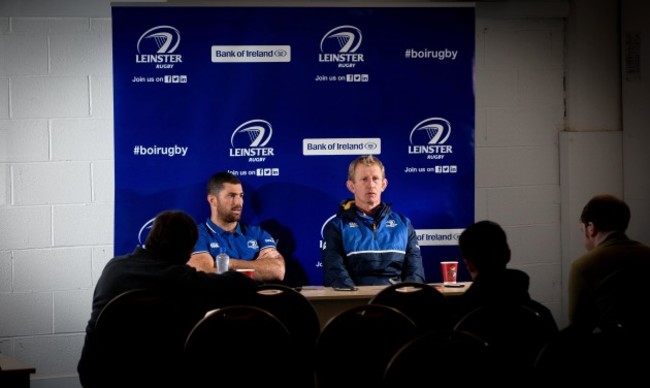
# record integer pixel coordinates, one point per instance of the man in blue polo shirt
(249, 246)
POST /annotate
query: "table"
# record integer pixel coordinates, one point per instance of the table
(328, 302)
(14, 373)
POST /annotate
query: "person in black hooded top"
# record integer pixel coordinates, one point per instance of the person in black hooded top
(160, 264)
(486, 253)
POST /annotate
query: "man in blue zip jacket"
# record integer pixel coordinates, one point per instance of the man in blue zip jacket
(367, 243)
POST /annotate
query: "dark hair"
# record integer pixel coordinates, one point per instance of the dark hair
(173, 236)
(485, 245)
(607, 213)
(215, 184)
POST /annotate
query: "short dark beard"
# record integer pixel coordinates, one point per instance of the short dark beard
(231, 218)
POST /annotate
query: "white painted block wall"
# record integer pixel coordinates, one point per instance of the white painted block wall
(56, 186)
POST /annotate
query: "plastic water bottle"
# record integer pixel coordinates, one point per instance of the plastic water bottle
(222, 261)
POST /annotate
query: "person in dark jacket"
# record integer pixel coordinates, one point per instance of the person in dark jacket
(160, 265)
(366, 242)
(486, 253)
(498, 309)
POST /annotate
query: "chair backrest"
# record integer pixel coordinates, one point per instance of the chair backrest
(239, 345)
(439, 358)
(514, 333)
(544, 314)
(293, 309)
(593, 358)
(621, 300)
(355, 345)
(138, 339)
(425, 305)
(301, 320)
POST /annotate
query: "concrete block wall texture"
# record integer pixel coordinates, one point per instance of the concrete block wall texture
(56, 163)
(519, 98)
(56, 186)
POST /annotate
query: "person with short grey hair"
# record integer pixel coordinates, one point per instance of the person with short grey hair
(366, 242)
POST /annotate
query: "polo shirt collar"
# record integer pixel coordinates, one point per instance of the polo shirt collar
(217, 230)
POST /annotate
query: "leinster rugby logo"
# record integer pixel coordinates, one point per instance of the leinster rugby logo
(159, 40)
(342, 39)
(434, 130)
(250, 139)
(429, 136)
(144, 231)
(157, 45)
(340, 45)
(322, 230)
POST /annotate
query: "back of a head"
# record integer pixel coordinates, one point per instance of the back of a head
(607, 213)
(172, 236)
(484, 244)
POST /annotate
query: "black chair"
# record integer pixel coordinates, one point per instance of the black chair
(613, 349)
(425, 305)
(138, 340)
(355, 346)
(439, 358)
(293, 309)
(239, 345)
(621, 300)
(514, 333)
(301, 320)
(592, 358)
(544, 314)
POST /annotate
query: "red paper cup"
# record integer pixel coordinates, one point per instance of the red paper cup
(449, 271)
(248, 272)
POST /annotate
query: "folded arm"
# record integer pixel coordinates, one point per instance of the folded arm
(269, 265)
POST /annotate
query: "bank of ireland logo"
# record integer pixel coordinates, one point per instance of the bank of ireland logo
(158, 45)
(340, 45)
(250, 140)
(429, 137)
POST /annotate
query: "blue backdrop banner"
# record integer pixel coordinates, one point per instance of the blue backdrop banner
(285, 98)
